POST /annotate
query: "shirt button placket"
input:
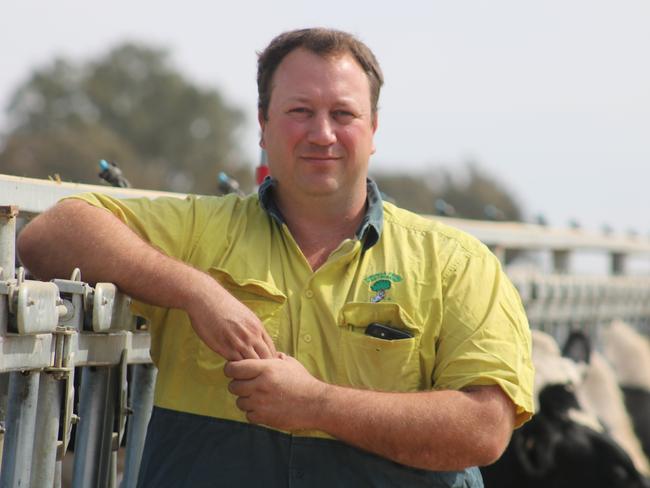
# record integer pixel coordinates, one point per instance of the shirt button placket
(309, 294)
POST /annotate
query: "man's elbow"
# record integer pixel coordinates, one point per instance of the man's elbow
(491, 451)
(474, 449)
(27, 247)
(37, 241)
(494, 426)
(494, 440)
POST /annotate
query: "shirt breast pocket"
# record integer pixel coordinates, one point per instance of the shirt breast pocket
(375, 363)
(262, 298)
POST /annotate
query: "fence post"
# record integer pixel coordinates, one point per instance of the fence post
(8, 215)
(23, 386)
(617, 266)
(92, 443)
(561, 258)
(21, 423)
(143, 380)
(47, 431)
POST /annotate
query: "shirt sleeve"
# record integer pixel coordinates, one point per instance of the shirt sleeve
(172, 225)
(485, 338)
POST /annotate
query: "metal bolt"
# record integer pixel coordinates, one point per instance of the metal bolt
(8, 211)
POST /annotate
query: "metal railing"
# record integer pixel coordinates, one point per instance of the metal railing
(557, 298)
(50, 331)
(47, 332)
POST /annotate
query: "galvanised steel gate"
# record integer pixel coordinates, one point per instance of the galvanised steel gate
(50, 331)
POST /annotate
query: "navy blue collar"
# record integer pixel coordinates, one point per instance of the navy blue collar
(371, 225)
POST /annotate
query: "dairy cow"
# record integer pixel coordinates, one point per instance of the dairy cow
(628, 352)
(564, 445)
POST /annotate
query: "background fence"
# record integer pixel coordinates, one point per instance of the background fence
(72, 353)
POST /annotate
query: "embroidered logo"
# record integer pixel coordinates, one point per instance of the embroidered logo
(380, 283)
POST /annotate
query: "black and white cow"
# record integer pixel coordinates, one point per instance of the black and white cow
(555, 451)
(599, 394)
(564, 445)
(628, 352)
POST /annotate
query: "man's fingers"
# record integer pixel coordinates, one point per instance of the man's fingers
(269, 344)
(250, 352)
(241, 388)
(264, 351)
(244, 404)
(230, 354)
(246, 369)
(255, 344)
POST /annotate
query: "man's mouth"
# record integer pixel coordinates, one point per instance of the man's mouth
(319, 158)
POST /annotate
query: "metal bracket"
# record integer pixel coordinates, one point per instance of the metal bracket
(63, 369)
(111, 309)
(99, 309)
(34, 305)
(122, 408)
(61, 364)
(72, 293)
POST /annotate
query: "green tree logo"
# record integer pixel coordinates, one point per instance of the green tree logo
(380, 287)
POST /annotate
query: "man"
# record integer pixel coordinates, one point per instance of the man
(260, 308)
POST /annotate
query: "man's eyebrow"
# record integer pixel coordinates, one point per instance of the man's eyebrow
(342, 101)
(297, 98)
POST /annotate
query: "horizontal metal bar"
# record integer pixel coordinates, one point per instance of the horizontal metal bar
(34, 196)
(25, 352)
(35, 352)
(106, 349)
(516, 235)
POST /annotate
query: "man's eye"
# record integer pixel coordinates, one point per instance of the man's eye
(343, 115)
(300, 111)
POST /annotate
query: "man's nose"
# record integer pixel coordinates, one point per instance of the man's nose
(321, 130)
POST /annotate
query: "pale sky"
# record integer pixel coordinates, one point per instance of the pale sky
(550, 97)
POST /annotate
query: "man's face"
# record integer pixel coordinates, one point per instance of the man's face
(319, 132)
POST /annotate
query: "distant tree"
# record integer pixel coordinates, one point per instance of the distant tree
(473, 193)
(131, 106)
(409, 191)
(477, 195)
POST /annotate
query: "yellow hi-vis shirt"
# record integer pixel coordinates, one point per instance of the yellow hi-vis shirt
(437, 283)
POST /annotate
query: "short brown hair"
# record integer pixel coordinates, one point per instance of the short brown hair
(321, 41)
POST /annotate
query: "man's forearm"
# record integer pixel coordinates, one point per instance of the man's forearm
(76, 234)
(435, 430)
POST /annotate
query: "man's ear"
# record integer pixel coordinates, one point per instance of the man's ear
(262, 121)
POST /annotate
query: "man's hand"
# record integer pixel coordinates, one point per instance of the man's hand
(228, 327)
(277, 392)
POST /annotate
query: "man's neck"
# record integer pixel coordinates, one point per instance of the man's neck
(321, 224)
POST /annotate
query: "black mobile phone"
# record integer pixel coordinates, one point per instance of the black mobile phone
(385, 332)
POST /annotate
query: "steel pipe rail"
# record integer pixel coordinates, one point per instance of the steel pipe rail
(33, 196)
(533, 237)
